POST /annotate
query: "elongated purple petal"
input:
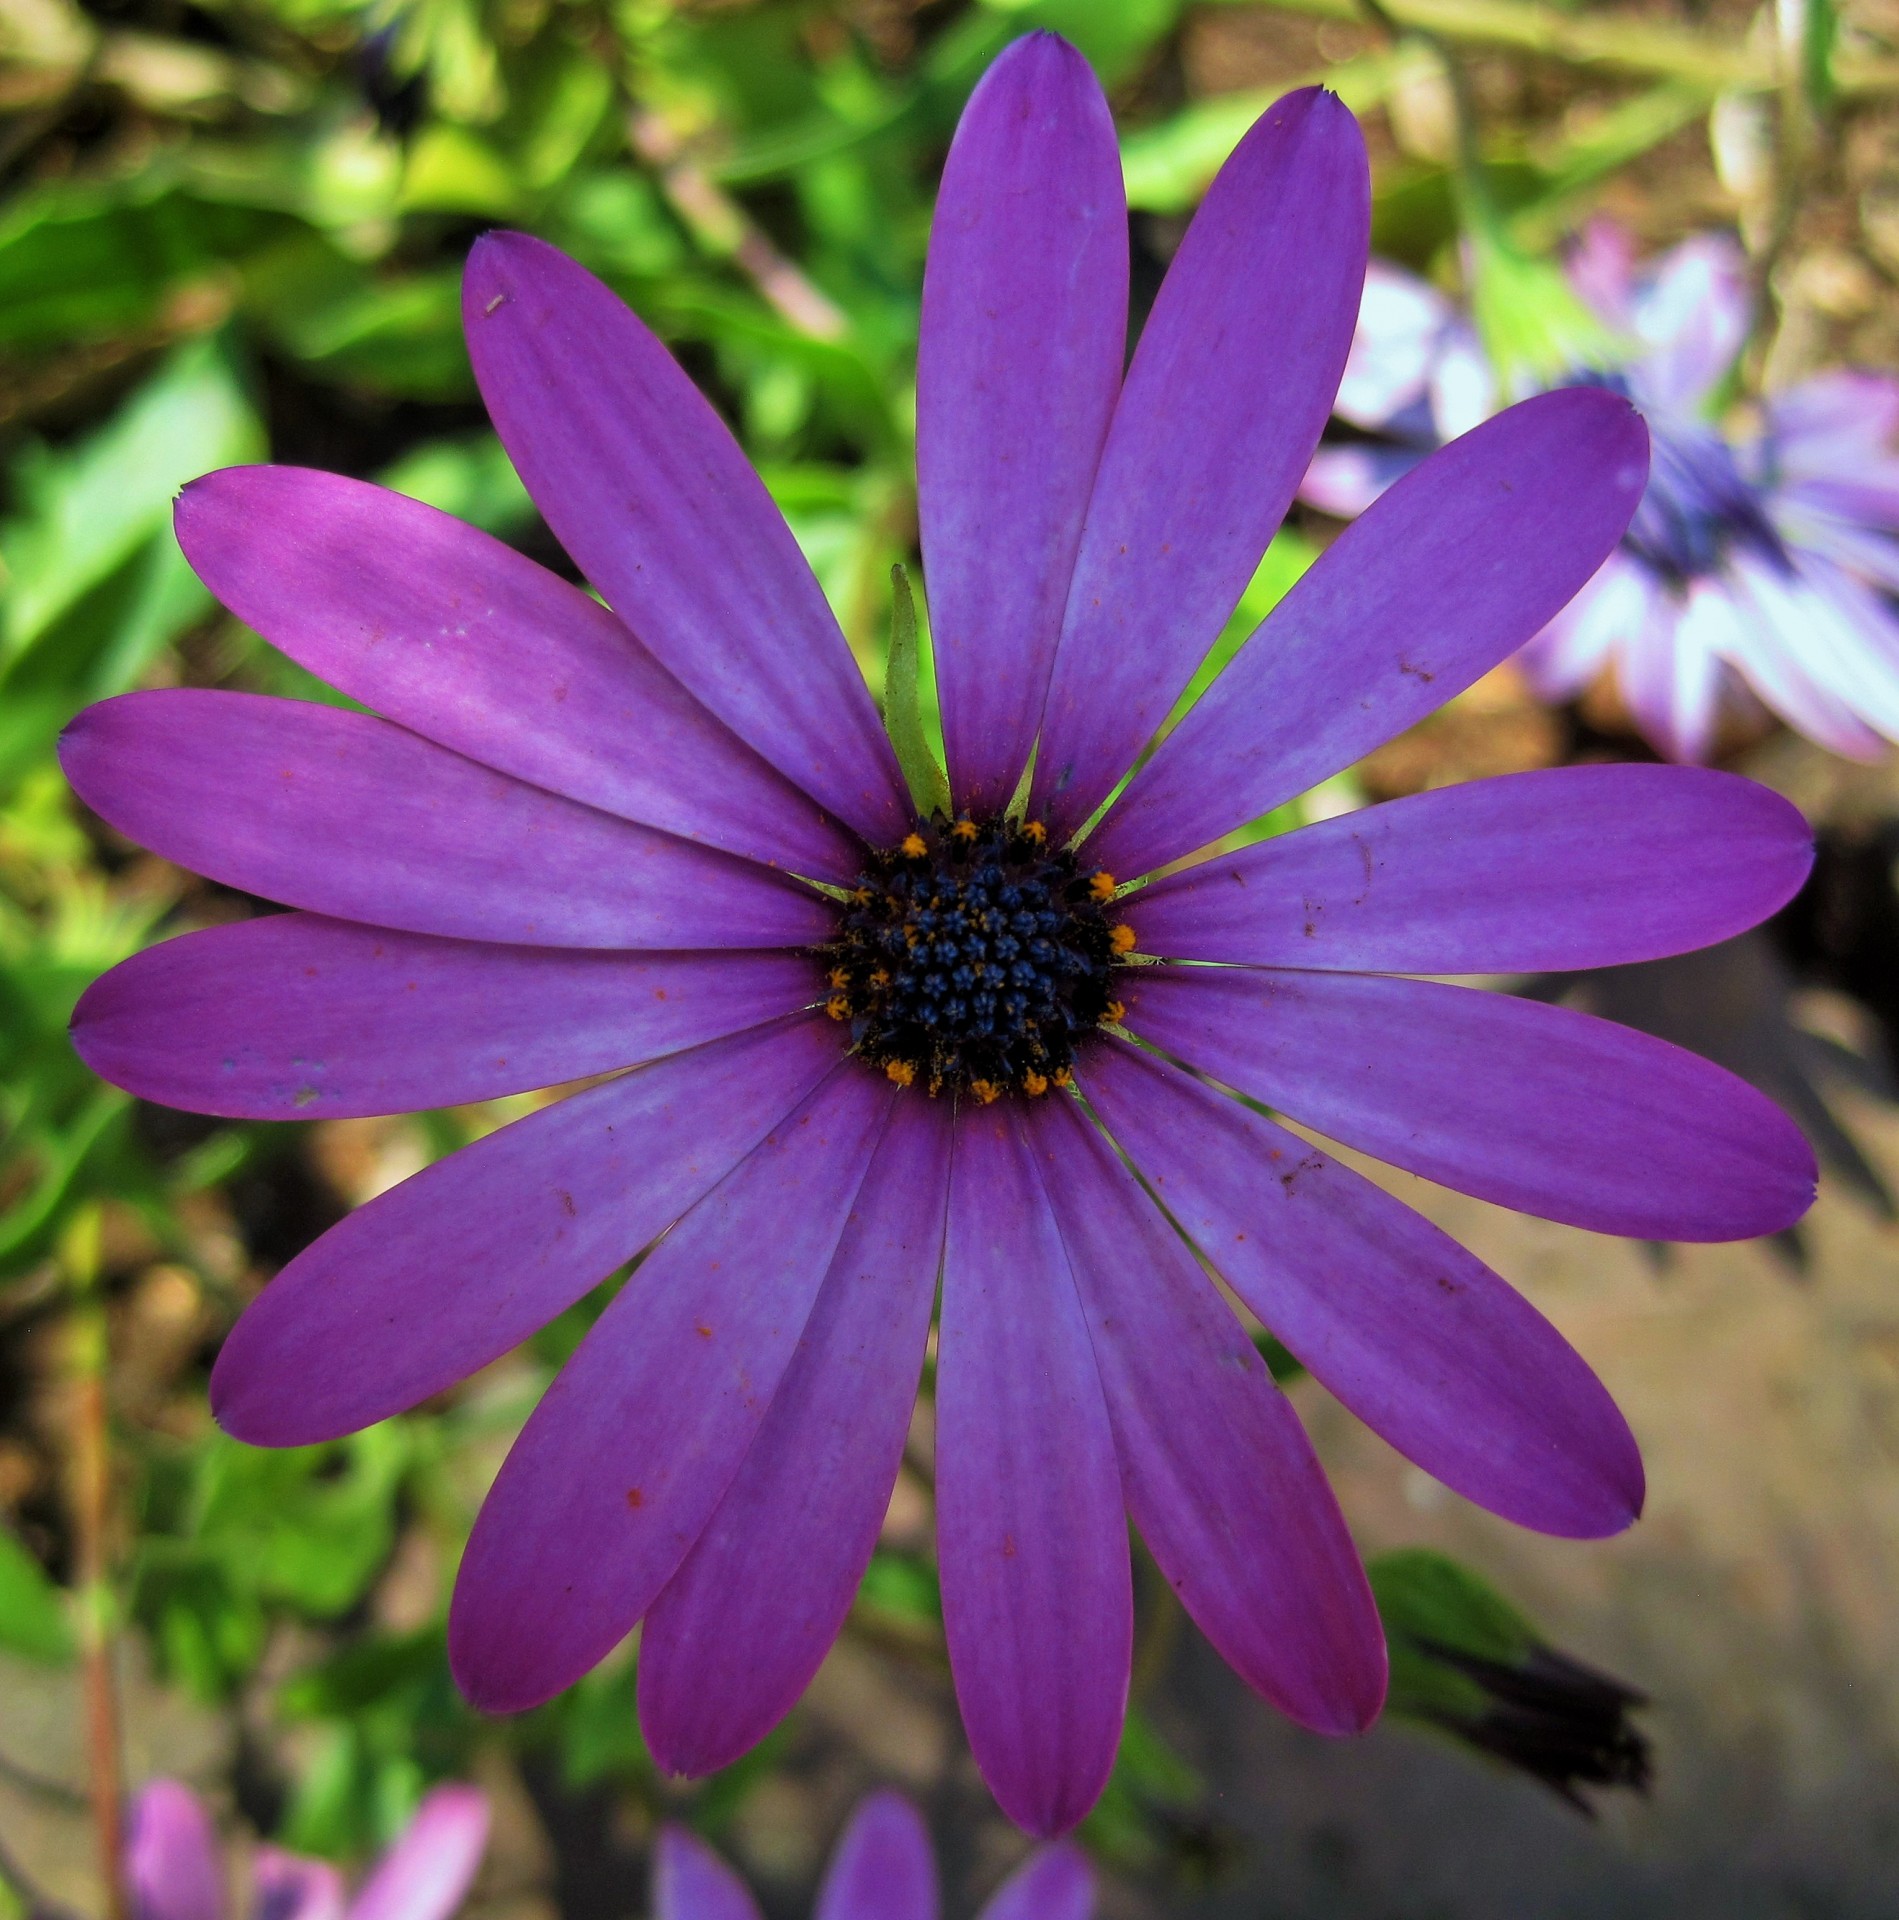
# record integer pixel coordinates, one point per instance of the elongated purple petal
(775, 1571)
(456, 636)
(1538, 1108)
(293, 1017)
(348, 815)
(1420, 1339)
(630, 1451)
(447, 1271)
(1223, 406)
(1463, 560)
(691, 1882)
(883, 1868)
(427, 1873)
(1031, 1539)
(1571, 867)
(1054, 1883)
(1025, 304)
(644, 485)
(286, 1886)
(173, 1868)
(1219, 1475)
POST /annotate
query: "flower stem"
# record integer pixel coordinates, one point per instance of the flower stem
(91, 1514)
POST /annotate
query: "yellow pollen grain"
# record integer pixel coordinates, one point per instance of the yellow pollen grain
(880, 978)
(1121, 939)
(901, 1071)
(1101, 888)
(860, 896)
(913, 847)
(1034, 832)
(838, 1006)
(1034, 1084)
(1063, 1078)
(839, 978)
(1117, 1011)
(986, 1092)
(964, 829)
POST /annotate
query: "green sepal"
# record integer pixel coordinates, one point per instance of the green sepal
(903, 703)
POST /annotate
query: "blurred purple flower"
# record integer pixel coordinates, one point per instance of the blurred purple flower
(569, 848)
(882, 1870)
(174, 1869)
(1760, 561)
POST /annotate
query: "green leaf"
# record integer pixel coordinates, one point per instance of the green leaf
(903, 703)
(32, 1617)
(95, 518)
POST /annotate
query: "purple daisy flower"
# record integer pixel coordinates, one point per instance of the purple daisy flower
(174, 1868)
(1759, 563)
(675, 837)
(882, 1870)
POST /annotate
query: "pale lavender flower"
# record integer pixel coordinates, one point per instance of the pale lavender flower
(1759, 563)
(174, 1867)
(882, 1870)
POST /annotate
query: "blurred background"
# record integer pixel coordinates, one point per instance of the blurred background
(233, 229)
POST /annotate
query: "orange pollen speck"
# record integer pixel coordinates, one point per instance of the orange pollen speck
(880, 978)
(838, 1006)
(1063, 1078)
(913, 847)
(965, 829)
(986, 1091)
(1121, 938)
(1034, 1083)
(901, 1071)
(1034, 831)
(1101, 888)
(839, 978)
(1117, 1011)
(860, 896)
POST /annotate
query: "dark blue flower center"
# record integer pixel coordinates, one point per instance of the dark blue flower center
(972, 958)
(1698, 508)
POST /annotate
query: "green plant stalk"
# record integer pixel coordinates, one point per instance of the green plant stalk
(1602, 39)
(88, 1355)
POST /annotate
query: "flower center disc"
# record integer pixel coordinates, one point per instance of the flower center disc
(972, 958)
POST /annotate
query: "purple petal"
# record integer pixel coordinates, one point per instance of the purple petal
(632, 1448)
(173, 1867)
(1571, 867)
(644, 485)
(1219, 1475)
(743, 1625)
(1451, 571)
(293, 1017)
(691, 1882)
(1031, 1539)
(286, 1886)
(473, 646)
(1538, 1108)
(1417, 1337)
(1025, 303)
(1054, 1883)
(348, 815)
(447, 1271)
(427, 1873)
(883, 1868)
(1223, 406)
